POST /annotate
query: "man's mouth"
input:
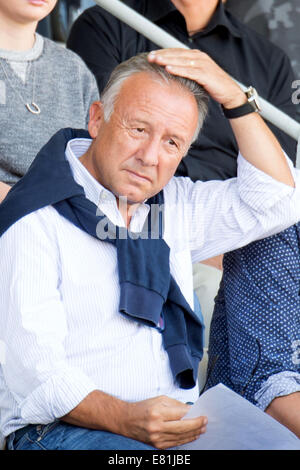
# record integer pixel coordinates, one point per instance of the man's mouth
(139, 176)
(38, 2)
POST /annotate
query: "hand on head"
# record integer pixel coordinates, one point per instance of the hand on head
(198, 66)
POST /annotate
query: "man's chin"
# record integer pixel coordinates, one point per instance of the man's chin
(132, 197)
(132, 200)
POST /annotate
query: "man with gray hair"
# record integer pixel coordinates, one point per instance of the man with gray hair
(102, 343)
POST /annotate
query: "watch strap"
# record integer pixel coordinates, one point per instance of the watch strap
(239, 111)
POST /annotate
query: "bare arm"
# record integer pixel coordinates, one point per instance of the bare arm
(156, 421)
(4, 188)
(261, 148)
(215, 262)
(286, 410)
(256, 142)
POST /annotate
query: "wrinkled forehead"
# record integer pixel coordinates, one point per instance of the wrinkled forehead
(149, 96)
(151, 88)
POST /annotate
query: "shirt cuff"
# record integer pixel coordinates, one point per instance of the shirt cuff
(258, 189)
(56, 397)
(277, 385)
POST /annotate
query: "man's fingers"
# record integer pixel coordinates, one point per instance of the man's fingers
(192, 73)
(198, 66)
(163, 425)
(194, 65)
(185, 426)
(176, 52)
(180, 62)
(186, 58)
(171, 444)
(186, 71)
(168, 441)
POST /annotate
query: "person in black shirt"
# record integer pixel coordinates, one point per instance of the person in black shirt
(103, 41)
(278, 20)
(253, 338)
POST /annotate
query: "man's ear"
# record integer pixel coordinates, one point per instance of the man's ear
(95, 118)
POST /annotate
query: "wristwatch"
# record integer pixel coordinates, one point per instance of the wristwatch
(251, 106)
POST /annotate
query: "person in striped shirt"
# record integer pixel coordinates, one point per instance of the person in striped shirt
(77, 373)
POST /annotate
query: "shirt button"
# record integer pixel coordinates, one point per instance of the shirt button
(191, 40)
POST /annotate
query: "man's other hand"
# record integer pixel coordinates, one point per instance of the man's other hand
(157, 421)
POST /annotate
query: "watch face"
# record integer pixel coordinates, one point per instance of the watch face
(253, 98)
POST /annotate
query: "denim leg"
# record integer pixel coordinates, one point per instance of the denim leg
(63, 436)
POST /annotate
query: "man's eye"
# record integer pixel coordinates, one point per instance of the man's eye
(172, 143)
(140, 129)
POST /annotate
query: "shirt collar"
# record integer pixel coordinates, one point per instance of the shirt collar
(94, 191)
(222, 18)
(156, 11)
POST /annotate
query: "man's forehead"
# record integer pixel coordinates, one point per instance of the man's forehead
(147, 78)
(147, 98)
(151, 88)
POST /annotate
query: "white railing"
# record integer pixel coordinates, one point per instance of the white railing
(165, 40)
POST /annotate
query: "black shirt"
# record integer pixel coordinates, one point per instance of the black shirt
(103, 42)
(277, 20)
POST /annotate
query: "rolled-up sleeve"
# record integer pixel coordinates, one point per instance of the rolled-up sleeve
(57, 396)
(40, 376)
(226, 215)
(277, 385)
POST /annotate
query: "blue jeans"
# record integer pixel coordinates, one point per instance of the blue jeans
(63, 436)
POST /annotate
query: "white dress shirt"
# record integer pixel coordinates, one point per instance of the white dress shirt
(59, 290)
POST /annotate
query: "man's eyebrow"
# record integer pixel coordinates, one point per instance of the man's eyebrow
(138, 123)
(142, 121)
(177, 137)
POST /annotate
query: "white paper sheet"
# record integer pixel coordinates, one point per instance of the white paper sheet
(236, 424)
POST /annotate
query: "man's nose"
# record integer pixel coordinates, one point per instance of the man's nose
(148, 152)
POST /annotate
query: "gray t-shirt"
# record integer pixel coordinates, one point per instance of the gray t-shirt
(59, 82)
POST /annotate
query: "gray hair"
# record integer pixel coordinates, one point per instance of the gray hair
(140, 63)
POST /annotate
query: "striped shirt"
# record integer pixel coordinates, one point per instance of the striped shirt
(59, 290)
